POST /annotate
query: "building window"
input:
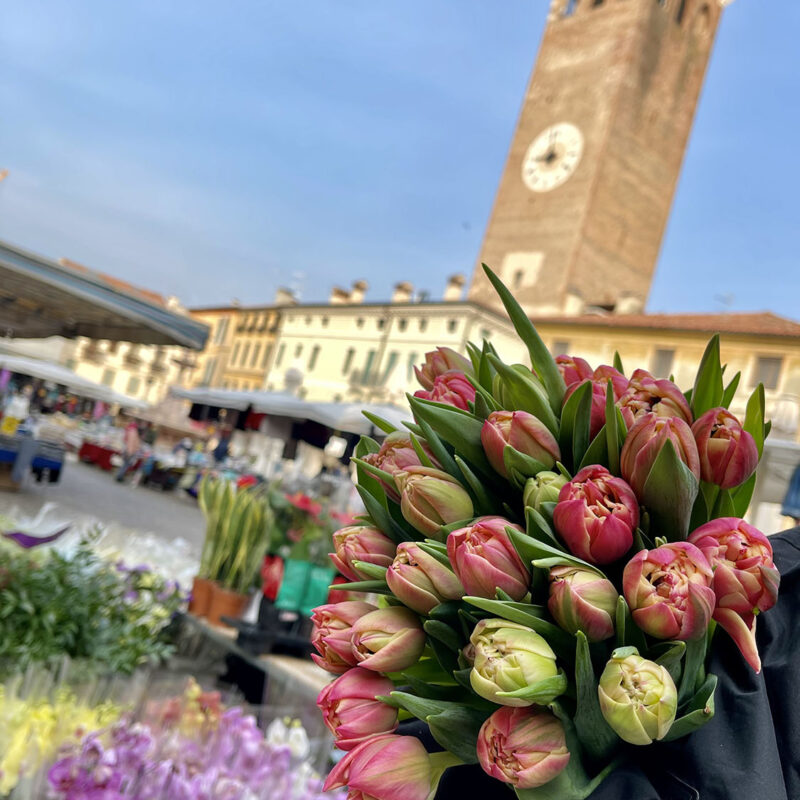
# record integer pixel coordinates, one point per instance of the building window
(423, 324)
(256, 354)
(517, 282)
(308, 320)
(381, 324)
(312, 362)
(391, 363)
(208, 373)
(222, 331)
(452, 325)
(235, 354)
(348, 360)
(365, 376)
(768, 371)
(265, 360)
(298, 351)
(360, 322)
(245, 353)
(486, 334)
(402, 324)
(112, 348)
(560, 347)
(108, 377)
(281, 351)
(133, 385)
(71, 363)
(662, 363)
(412, 362)
(324, 322)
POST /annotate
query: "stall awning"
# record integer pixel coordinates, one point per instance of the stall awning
(40, 298)
(339, 416)
(55, 373)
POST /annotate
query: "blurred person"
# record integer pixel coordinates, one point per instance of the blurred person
(131, 444)
(222, 450)
(791, 501)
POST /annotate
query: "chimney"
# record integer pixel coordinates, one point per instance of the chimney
(455, 288)
(339, 296)
(285, 297)
(402, 293)
(574, 304)
(629, 303)
(358, 291)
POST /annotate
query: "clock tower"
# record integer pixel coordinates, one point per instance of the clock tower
(588, 184)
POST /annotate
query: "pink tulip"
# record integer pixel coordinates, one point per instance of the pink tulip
(646, 394)
(669, 591)
(573, 369)
(360, 543)
(582, 600)
(397, 454)
(438, 362)
(451, 388)
(332, 633)
(645, 441)
(525, 747)
(521, 431)
(596, 515)
(350, 710)
(384, 768)
(420, 581)
(485, 560)
(599, 380)
(728, 453)
(388, 640)
(431, 498)
(746, 581)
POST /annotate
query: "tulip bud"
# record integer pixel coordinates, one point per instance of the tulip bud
(508, 657)
(599, 380)
(525, 747)
(485, 560)
(397, 454)
(332, 633)
(430, 498)
(573, 369)
(360, 543)
(451, 388)
(582, 600)
(420, 581)
(728, 453)
(646, 394)
(542, 488)
(522, 432)
(745, 580)
(350, 710)
(388, 640)
(645, 441)
(596, 515)
(384, 768)
(669, 591)
(440, 361)
(638, 697)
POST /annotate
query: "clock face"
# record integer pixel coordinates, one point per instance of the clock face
(552, 157)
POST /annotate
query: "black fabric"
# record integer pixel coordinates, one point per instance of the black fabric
(750, 750)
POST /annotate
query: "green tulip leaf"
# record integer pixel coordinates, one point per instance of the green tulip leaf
(423, 457)
(614, 430)
(542, 692)
(669, 494)
(692, 664)
(628, 633)
(440, 556)
(699, 711)
(376, 586)
(595, 735)
(444, 633)
(366, 444)
(742, 495)
(542, 360)
(754, 417)
(530, 550)
(597, 452)
(379, 513)
(730, 391)
(575, 419)
(372, 571)
(439, 450)
(524, 392)
(376, 472)
(379, 422)
(482, 499)
(432, 691)
(537, 527)
(618, 362)
(669, 655)
(708, 390)
(401, 527)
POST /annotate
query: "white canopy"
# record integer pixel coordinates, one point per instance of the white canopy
(48, 371)
(339, 416)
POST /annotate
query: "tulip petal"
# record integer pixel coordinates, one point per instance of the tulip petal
(743, 633)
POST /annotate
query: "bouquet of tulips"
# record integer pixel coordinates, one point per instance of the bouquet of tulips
(553, 549)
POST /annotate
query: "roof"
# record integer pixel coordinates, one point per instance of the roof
(759, 323)
(40, 297)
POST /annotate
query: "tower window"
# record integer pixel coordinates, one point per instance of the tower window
(767, 371)
(402, 324)
(570, 8)
(312, 362)
(681, 12)
(348, 360)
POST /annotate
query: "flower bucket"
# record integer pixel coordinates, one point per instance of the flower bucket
(225, 603)
(202, 589)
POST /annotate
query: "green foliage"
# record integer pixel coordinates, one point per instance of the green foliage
(80, 606)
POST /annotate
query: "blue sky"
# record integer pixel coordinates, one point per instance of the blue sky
(218, 150)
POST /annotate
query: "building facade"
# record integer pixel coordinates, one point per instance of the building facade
(590, 176)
